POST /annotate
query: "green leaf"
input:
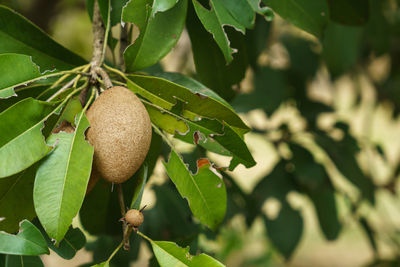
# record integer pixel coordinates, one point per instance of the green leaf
(22, 93)
(355, 12)
(73, 241)
(62, 178)
(165, 94)
(139, 187)
(159, 31)
(285, 231)
(27, 70)
(210, 134)
(23, 261)
(18, 35)
(214, 21)
(169, 254)
(163, 5)
(309, 15)
(116, 11)
(22, 144)
(340, 56)
(28, 241)
(17, 191)
(205, 191)
(213, 70)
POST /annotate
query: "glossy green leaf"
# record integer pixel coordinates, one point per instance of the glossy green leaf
(309, 15)
(165, 94)
(139, 187)
(62, 178)
(210, 134)
(354, 12)
(163, 5)
(116, 11)
(23, 261)
(205, 191)
(213, 70)
(285, 231)
(214, 20)
(340, 56)
(27, 70)
(22, 144)
(28, 241)
(159, 31)
(18, 35)
(22, 93)
(169, 254)
(17, 191)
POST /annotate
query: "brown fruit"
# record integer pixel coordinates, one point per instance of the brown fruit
(120, 131)
(134, 217)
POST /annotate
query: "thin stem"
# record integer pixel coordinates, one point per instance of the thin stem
(127, 234)
(105, 77)
(121, 199)
(116, 71)
(144, 236)
(115, 252)
(123, 41)
(119, 83)
(62, 89)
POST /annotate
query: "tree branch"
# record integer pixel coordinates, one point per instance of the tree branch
(98, 42)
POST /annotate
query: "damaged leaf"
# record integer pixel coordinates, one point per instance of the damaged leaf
(9, 78)
(210, 134)
(205, 191)
(22, 144)
(165, 94)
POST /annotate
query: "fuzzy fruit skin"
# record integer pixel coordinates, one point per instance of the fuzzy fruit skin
(134, 217)
(120, 131)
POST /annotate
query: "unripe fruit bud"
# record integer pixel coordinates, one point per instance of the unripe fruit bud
(134, 217)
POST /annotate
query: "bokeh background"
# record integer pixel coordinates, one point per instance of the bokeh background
(355, 82)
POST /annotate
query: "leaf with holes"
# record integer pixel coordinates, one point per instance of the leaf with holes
(205, 191)
(22, 144)
(197, 103)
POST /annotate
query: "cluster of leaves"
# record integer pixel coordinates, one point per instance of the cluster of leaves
(45, 173)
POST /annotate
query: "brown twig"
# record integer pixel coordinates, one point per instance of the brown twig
(123, 41)
(105, 77)
(98, 42)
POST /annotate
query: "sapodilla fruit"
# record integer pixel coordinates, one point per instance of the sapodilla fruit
(120, 132)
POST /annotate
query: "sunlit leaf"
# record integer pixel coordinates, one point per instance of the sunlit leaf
(62, 178)
(205, 191)
(159, 31)
(22, 144)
